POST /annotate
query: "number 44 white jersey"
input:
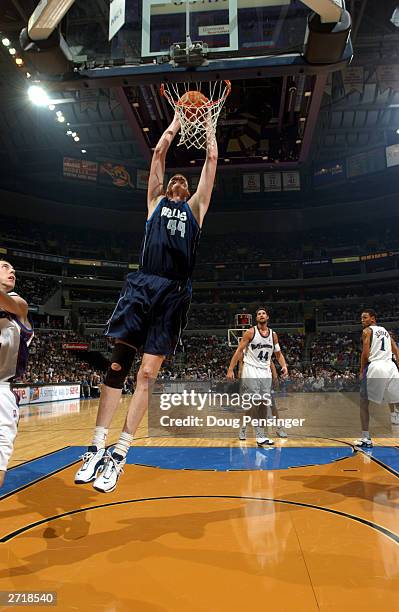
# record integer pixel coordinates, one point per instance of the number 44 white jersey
(260, 350)
(380, 344)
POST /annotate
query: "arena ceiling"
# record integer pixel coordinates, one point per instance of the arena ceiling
(354, 116)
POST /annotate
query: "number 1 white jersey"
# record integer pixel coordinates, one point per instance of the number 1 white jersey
(260, 350)
(380, 345)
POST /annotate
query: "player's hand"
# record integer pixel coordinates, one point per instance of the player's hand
(284, 372)
(230, 374)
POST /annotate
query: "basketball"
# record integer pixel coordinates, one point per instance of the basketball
(192, 101)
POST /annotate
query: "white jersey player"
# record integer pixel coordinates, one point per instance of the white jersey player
(256, 349)
(15, 337)
(378, 373)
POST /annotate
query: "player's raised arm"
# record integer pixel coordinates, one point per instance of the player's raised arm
(157, 170)
(14, 304)
(366, 336)
(200, 201)
(279, 355)
(239, 353)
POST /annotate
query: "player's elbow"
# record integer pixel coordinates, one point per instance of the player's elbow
(212, 157)
(160, 151)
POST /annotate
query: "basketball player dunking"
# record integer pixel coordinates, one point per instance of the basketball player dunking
(153, 306)
(256, 349)
(15, 336)
(378, 373)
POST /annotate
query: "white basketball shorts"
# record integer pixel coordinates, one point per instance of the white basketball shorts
(9, 416)
(256, 380)
(382, 382)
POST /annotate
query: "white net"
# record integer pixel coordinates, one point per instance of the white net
(198, 106)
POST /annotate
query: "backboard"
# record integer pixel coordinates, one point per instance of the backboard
(230, 29)
(234, 336)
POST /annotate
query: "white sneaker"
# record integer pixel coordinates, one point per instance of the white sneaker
(363, 443)
(264, 441)
(394, 418)
(281, 432)
(109, 474)
(92, 460)
(243, 433)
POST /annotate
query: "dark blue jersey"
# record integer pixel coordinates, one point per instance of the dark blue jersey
(170, 242)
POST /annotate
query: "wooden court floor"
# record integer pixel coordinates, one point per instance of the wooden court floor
(253, 533)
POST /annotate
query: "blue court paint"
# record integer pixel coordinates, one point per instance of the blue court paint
(36, 469)
(388, 455)
(194, 458)
(225, 459)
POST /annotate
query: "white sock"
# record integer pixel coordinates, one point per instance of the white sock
(99, 437)
(366, 434)
(259, 432)
(123, 444)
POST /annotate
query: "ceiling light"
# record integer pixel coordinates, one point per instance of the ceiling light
(51, 107)
(61, 119)
(308, 94)
(28, 75)
(84, 151)
(12, 51)
(38, 96)
(19, 61)
(6, 42)
(58, 113)
(146, 129)
(74, 134)
(69, 133)
(226, 160)
(76, 138)
(192, 161)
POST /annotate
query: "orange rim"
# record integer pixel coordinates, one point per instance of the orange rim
(164, 92)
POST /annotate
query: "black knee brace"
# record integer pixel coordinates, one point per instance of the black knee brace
(123, 356)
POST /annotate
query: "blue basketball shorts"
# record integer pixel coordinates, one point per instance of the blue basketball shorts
(151, 313)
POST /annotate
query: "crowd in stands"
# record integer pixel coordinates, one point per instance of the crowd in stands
(338, 350)
(331, 364)
(319, 380)
(387, 308)
(85, 242)
(97, 316)
(72, 242)
(50, 363)
(213, 316)
(35, 289)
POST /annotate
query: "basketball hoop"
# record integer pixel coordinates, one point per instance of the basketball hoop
(198, 110)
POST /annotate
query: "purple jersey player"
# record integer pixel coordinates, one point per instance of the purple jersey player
(15, 336)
